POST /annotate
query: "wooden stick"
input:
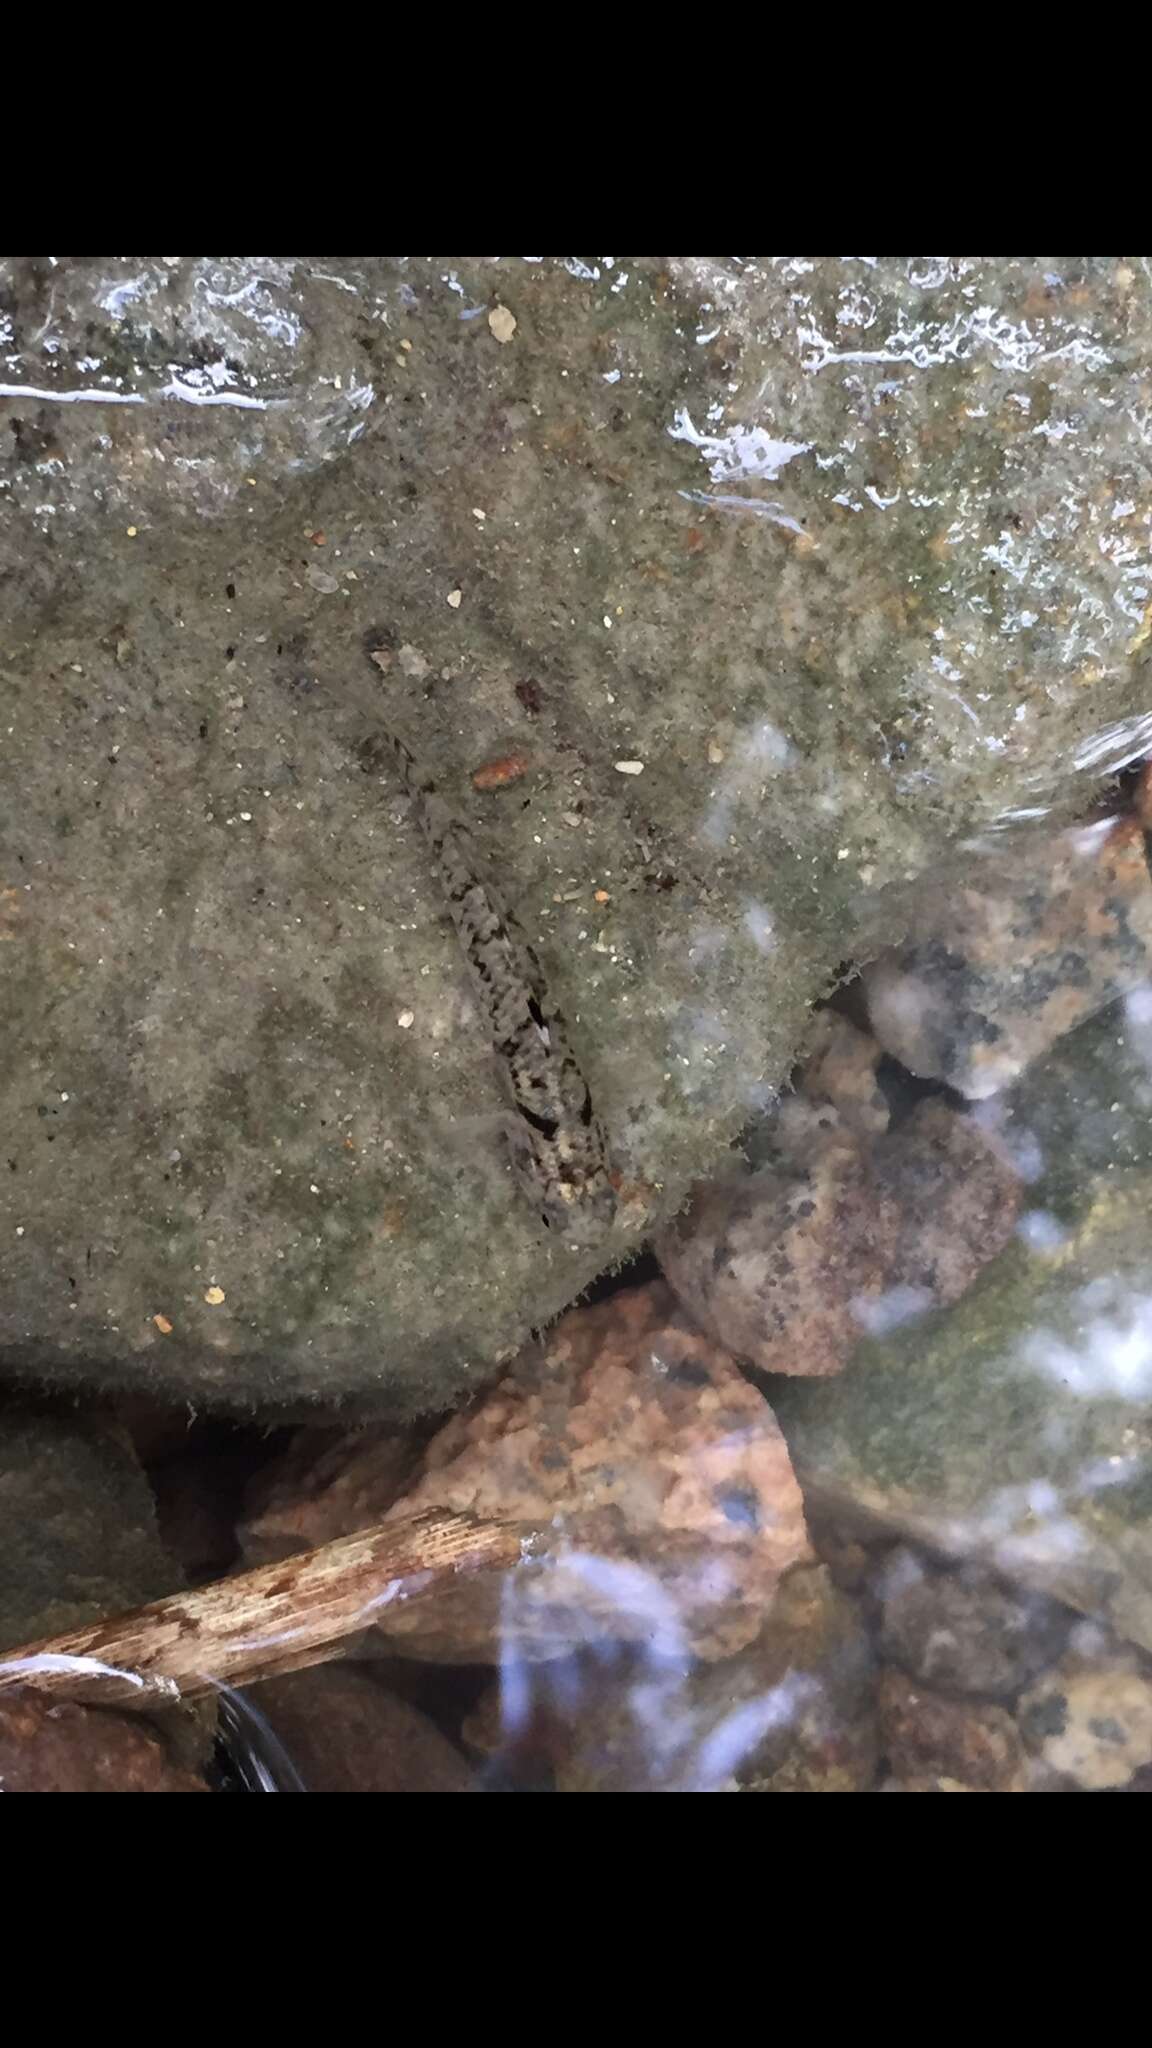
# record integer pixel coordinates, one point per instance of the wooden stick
(280, 1618)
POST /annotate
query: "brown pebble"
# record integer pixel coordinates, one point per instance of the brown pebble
(779, 1266)
(344, 1733)
(960, 1197)
(923, 1734)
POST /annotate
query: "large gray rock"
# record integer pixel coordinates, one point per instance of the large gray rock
(847, 552)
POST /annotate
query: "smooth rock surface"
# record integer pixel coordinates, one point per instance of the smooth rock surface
(344, 1732)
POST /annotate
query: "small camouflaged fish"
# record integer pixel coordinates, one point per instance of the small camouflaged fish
(558, 1147)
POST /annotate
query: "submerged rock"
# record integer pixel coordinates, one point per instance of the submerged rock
(844, 556)
(325, 1484)
(967, 1631)
(783, 1267)
(793, 1712)
(1013, 1429)
(657, 1474)
(790, 1265)
(1090, 1721)
(999, 966)
(958, 1195)
(55, 1746)
(78, 1534)
(343, 1731)
(924, 1735)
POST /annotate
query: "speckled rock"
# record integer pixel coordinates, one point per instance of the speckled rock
(815, 1657)
(1015, 1430)
(344, 1732)
(966, 1631)
(658, 1473)
(845, 554)
(326, 1483)
(790, 1265)
(1090, 1721)
(924, 1735)
(959, 1196)
(57, 1747)
(998, 967)
(782, 1266)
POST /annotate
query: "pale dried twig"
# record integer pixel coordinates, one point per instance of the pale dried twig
(282, 1617)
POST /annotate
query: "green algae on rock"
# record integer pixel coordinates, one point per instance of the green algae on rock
(1014, 1429)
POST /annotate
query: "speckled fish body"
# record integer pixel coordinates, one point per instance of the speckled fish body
(558, 1146)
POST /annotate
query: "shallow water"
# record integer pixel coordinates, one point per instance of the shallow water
(776, 635)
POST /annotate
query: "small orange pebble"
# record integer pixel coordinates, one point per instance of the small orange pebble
(319, 540)
(497, 774)
(163, 1325)
(213, 1296)
(602, 896)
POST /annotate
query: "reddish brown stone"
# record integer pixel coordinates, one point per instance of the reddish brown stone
(959, 1199)
(657, 1474)
(53, 1746)
(924, 1735)
(789, 1266)
(344, 1732)
(780, 1266)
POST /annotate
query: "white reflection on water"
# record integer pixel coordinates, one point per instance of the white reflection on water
(1110, 1355)
(637, 1660)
